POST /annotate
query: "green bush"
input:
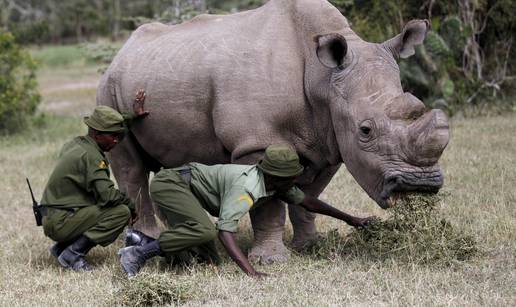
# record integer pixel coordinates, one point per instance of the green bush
(19, 96)
(101, 54)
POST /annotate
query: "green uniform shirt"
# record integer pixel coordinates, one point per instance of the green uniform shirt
(81, 178)
(230, 191)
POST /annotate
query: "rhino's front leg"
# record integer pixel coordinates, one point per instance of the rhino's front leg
(133, 179)
(268, 221)
(303, 221)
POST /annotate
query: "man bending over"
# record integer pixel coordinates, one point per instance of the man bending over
(228, 192)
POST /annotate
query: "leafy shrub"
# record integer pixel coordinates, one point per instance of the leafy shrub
(19, 96)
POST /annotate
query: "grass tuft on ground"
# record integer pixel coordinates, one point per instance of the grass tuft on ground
(149, 289)
(414, 233)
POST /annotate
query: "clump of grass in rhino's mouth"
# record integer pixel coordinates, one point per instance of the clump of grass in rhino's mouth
(414, 233)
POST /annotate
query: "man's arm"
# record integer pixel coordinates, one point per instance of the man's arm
(315, 205)
(228, 240)
(99, 183)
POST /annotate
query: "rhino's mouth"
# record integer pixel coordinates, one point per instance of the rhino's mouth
(396, 184)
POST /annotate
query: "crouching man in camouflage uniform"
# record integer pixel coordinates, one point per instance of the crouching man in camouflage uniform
(228, 192)
(81, 206)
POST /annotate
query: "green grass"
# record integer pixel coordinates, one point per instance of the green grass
(59, 55)
(479, 166)
(480, 180)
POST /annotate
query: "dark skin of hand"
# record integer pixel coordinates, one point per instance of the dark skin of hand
(108, 141)
(228, 240)
(310, 203)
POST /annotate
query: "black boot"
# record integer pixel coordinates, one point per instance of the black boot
(135, 237)
(56, 249)
(133, 258)
(73, 256)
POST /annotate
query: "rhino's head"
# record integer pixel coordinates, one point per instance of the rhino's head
(387, 139)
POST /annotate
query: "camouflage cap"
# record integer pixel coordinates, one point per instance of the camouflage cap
(281, 161)
(105, 119)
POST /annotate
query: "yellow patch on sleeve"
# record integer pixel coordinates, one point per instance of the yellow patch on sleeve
(102, 164)
(246, 198)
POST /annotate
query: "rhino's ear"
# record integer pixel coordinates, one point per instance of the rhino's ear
(331, 49)
(413, 34)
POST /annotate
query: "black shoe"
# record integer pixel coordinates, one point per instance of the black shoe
(56, 249)
(135, 237)
(72, 257)
(133, 258)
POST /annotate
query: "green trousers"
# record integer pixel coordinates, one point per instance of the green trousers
(190, 231)
(101, 225)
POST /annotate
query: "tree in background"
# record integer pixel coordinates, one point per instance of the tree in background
(467, 60)
(19, 97)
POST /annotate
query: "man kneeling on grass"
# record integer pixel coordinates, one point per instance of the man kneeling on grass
(81, 206)
(229, 192)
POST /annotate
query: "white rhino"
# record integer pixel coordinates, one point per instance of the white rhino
(220, 89)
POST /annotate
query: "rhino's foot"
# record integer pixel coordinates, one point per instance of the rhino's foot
(300, 243)
(268, 252)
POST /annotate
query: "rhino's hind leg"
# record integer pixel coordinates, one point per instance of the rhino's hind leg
(268, 222)
(132, 176)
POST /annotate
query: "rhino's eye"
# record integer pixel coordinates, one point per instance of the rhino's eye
(365, 130)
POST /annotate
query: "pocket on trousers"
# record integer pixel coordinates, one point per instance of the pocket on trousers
(48, 227)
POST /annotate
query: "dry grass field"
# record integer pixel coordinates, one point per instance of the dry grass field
(480, 170)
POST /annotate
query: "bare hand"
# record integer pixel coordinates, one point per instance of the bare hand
(258, 275)
(138, 105)
(359, 222)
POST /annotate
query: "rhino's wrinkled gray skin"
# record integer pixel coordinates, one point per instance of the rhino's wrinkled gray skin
(221, 89)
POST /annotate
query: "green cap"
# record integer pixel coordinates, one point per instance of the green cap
(105, 119)
(281, 161)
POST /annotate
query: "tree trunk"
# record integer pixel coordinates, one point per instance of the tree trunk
(116, 16)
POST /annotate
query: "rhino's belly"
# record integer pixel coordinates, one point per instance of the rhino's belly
(173, 142)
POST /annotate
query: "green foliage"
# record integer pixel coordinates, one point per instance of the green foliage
(468, 58)
(433, 74)
(101, 53)
(19, 96)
